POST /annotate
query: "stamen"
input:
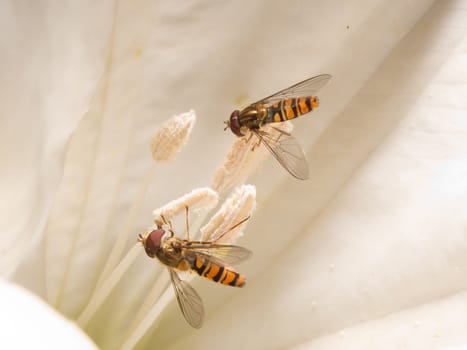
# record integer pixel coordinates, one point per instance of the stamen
(244, 158)
(204, 198)
(173, 135)
(236, 208)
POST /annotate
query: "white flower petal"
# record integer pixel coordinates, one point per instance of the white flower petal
(437, 325)
(51, 62)
(28, 323)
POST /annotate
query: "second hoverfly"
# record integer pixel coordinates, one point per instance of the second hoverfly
(207, 259)
(284, 105)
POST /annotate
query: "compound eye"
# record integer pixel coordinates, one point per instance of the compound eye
(153, 242)
(234, 123)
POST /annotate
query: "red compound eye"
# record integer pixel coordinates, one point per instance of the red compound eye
(234, 124)
(153, 242)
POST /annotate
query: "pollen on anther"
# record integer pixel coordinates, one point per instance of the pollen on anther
(245, 156)
(172, 136)
(224, 226)
(204, 198)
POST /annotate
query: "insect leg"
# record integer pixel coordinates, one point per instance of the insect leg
(168, 223)
(256, 144)
(248, 138)
(187, 225)
(233, 227)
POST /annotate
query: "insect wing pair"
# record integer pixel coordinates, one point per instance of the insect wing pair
(208, 259)
(217, 261)
(284, 105)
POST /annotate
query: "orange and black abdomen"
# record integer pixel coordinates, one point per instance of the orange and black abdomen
(290, 108)
(217, 273)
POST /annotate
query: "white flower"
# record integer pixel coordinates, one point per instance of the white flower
(370, 252)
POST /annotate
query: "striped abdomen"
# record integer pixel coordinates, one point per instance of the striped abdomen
(217, 273)
(290, 108)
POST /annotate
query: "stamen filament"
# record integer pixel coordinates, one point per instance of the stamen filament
(107, 286)
(122, 238)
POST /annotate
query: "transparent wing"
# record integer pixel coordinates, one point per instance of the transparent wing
(286, 149)
(221, 254)
(307, 87)
(189, 301)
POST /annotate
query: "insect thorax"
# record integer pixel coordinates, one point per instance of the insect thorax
(171, 252)
(252, 116)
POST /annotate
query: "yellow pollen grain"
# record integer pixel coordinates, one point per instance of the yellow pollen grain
(241, 99)
(138, 53)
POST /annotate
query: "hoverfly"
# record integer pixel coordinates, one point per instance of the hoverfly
(284, 105)
(208, 259)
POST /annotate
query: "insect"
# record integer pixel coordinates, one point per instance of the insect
(207, 259)
(290, 103)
